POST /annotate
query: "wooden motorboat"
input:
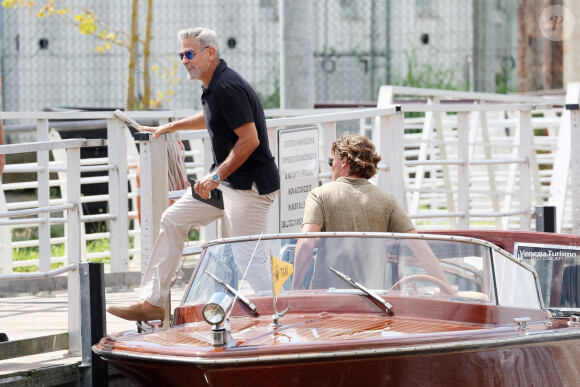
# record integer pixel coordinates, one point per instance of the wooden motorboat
(372, 309)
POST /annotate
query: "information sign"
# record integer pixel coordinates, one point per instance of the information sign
(298, 166)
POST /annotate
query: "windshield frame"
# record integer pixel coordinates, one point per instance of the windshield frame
(496, 252)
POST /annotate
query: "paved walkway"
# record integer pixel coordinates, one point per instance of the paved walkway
(31, 316)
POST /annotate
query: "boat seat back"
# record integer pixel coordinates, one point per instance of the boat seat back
(369, 266)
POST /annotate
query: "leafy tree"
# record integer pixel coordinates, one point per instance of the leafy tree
(89, 24)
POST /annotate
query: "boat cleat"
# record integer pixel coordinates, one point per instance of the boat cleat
(521, 323)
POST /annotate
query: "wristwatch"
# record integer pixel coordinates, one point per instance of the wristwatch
(216, 177)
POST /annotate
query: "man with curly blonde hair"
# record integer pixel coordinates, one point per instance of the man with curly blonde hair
(351, 203)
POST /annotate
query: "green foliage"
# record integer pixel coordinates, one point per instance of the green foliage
(426, 75)
(501, 84)
(271, 101)
(193, 235)
(57, 250)
(168, 74)
(98, 245)
(30, 253)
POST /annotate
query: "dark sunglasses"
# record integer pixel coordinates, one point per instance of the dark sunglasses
(330, 161)
(190, 54)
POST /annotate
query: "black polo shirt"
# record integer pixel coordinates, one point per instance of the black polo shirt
(228, 103)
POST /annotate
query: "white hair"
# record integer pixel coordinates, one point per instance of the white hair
(205, 36)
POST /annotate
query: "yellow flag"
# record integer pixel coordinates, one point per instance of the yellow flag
(281, 271)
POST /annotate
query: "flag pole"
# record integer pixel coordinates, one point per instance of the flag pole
(276, 316)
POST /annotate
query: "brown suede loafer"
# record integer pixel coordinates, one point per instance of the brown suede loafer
(137, 312)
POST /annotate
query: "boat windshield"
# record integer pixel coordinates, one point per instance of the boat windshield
(451, 268)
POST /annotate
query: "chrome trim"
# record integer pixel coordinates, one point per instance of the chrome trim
(235, 292)
(521, 323)
(218, 300)
(370, 293)
(524, 338)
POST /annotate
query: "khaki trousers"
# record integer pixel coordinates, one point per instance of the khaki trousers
(245, 213)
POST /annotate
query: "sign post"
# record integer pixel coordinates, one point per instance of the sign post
(298, 166)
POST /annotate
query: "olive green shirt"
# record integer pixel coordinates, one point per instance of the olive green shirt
(354, 204)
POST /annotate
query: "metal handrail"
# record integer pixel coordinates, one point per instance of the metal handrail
(36, 211)
(46, 274)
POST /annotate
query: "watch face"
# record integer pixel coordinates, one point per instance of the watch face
(216, 177)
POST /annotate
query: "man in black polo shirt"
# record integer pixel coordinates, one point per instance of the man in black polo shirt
(243, 170)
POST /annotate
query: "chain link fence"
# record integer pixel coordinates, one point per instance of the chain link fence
(358, 46)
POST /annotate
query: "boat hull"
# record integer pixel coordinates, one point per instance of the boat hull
(405, 327)
(543, 363)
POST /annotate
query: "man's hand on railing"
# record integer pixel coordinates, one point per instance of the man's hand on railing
(156, 130)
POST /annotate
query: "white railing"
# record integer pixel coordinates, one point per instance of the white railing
(43, 168)
(43, 207)
(454, 151)
(153, 154)
(388, 93)
(441, 177)
(41, 216)
(549, 160)
(118, 171)
(450, 158)
(390, 140)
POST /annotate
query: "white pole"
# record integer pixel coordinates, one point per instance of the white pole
(463, 169)
(43, 197)
(74, 249)
(296, 54)
(525, 186)
(118, 193)
(153, 191)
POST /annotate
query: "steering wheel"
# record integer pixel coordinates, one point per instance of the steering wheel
(424, 277)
